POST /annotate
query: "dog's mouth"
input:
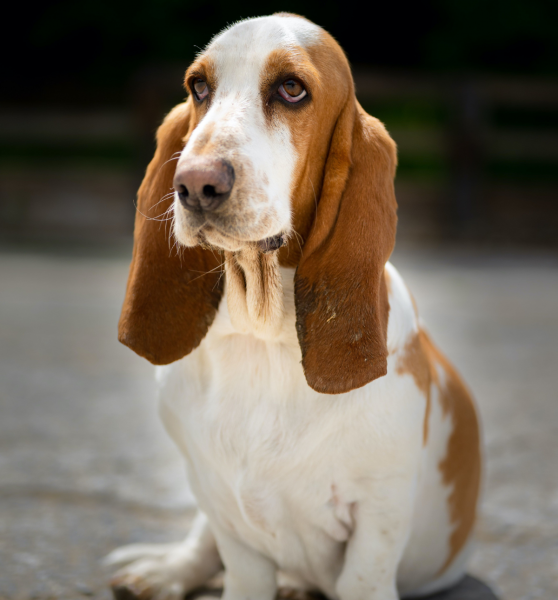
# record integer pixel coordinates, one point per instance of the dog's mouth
(272, 243)
(212, 236)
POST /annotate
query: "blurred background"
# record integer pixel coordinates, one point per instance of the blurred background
(468, 90)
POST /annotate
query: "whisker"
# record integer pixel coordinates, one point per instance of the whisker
(219, 280)
(175, 246)
(170, 209)
(208, 272)
(150, 218)
(299, 239)
(173, 228)
(173, 157)
(163, 198)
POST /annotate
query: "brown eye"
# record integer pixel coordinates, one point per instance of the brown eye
(293, 88)
(200, 88)
(292, 91)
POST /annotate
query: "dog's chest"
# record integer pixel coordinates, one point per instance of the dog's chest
(265, 454)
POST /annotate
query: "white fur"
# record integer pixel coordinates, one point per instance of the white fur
(337, 492)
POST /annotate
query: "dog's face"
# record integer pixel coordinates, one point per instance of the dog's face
(271, 141)
(258, 102)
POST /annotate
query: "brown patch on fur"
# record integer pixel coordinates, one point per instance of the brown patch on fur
(204, 68)
(461, 468)
(172, 296)
(414, 303)
(281, 64)
(330, 84)
(414, 361)
(344, 209)
(462, 465)
(304, 123)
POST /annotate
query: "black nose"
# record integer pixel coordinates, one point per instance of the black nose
(203, 183)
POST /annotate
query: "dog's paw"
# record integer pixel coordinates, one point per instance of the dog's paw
(153, 572)
(125, 555)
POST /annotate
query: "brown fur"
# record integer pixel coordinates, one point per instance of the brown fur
(204, 68)
(340, 292)
(415, 362)
(172, 296)
(461, 468)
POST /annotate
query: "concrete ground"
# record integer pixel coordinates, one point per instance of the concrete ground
(85, 465)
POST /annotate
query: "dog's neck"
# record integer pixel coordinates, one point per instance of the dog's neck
(254, 292)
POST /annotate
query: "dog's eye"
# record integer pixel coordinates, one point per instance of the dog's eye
(200, 88)
(292, 91)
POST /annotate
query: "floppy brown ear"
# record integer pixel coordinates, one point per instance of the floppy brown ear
(171, 297)
(340, 291)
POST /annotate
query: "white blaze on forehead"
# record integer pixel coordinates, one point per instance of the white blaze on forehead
(253, 37)
(240, 52)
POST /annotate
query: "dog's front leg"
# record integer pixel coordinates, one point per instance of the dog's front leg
(166, 571)
(381, 529)
(249, 575)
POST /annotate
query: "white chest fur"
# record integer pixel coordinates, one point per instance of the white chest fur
(274, 462)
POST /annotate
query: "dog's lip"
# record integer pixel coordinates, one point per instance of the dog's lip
(269, 244)
(272, 243)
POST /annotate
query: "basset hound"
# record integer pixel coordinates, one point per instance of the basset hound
(327, 440)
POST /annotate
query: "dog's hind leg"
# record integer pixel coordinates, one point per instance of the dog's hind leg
(165, 571)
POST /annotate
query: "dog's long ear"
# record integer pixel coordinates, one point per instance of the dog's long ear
(340, 291)
(172, 296)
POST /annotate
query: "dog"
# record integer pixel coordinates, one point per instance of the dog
(326, 438)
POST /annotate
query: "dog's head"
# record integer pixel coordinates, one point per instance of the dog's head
(271, 145)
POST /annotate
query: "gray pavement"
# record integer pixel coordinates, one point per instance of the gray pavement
(85, 465)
